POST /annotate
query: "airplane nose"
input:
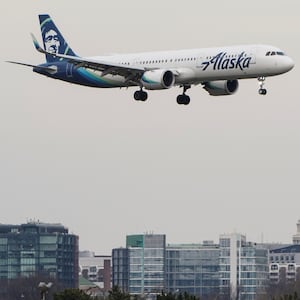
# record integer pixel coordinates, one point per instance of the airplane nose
(285, 64)
(289, 64)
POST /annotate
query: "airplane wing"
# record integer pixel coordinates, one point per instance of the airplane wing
(131, 74)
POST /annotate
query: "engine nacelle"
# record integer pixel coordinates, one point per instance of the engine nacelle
(158, 79)
(222, 87)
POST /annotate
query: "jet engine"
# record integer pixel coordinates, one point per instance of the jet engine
(222, 87)
(158, 79)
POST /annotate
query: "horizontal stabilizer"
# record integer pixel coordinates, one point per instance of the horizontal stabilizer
(51, 69)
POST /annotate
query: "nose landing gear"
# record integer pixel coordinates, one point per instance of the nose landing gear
(262, 90)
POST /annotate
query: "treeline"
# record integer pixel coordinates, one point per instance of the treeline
(27, 289)
(284, 290)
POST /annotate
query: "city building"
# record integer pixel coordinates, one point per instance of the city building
(146, 263)
(120, 268)
(39, 249)
(96, 268)
(284, 264)
(193, 269)
(244, 267)
(296, 237)
(285, 261)
(140, 268)
(284, 273)
(232, 269)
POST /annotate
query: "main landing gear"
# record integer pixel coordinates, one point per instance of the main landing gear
(262, 90)
(184, 99)
(140, 95)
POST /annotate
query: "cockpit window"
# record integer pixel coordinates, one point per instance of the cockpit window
(272, 53)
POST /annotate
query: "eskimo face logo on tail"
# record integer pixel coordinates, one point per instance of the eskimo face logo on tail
(223, 61)
(51, 41)
(52, 38)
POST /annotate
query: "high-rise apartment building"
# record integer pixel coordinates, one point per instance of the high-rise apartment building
(35, 249)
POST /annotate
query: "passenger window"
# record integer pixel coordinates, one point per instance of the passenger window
(273, 53)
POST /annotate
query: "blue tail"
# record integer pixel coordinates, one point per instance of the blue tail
(53, 40)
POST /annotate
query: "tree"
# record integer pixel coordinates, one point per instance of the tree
(283, 290)
(176, 296)
(71, 294)
(116, 294)
(26, 287)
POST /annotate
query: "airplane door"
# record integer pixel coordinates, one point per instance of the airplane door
(69, 70)
(253, 54)
(253, 58)
(199, 61)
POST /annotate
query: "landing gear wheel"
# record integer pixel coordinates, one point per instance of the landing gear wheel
(140, 95)
(262, 91)
(136, 95)
(183, 99)
(144, 96)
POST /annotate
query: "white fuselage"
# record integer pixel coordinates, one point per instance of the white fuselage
(208, 64)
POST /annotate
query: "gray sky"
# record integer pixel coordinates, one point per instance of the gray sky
(106, 166)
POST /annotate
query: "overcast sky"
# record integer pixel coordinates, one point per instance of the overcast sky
(106, 166)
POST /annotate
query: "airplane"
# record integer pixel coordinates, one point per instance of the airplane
(217, 69)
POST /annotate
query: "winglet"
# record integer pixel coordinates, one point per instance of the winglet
(37, 45)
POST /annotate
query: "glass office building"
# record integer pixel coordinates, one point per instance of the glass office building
(243, 268)
(193, 269)
(146, 263)
(232, 269)
(140, 267)
(120, 268)
(38, 249)
(147, 267)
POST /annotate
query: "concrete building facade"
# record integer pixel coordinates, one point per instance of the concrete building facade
(285, 261)
(284, 264)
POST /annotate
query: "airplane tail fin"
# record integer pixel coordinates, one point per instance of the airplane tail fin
(53, 40)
